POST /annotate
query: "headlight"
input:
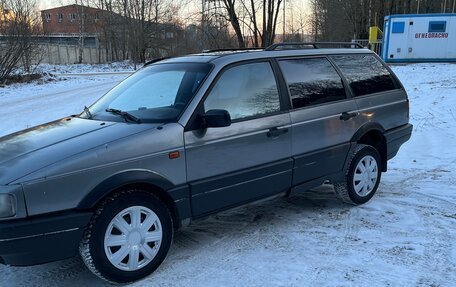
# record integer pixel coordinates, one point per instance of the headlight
(7, 205)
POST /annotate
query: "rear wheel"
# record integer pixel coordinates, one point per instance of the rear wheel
(128, 237)
(362, 176)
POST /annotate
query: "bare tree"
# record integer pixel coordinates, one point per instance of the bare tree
(138, 29)
(347, 19)
(259, 16)
(19, 22)
(231, 8)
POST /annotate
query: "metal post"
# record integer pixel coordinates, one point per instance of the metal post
(418, 7)
(444, 7)
(203, 20)
(81, 31)
(284, 12)
(454, 2)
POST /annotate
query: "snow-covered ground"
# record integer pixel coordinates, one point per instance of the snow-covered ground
(26, 105)
(405, 236)
(83, 68)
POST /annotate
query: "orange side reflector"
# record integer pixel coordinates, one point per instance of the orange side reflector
(173, 155)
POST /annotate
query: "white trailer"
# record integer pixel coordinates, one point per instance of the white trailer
(419, 38)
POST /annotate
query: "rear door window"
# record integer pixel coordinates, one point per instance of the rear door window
(312, 81)
(365, 74)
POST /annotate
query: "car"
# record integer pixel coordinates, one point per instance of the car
(186, 137)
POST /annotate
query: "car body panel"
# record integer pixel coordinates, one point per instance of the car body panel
(56, 187)
(320, 137)
(243, 145)
(29, 150)
(389, 109)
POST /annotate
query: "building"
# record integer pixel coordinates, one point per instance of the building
(419, 38)
(111, 36)
(72, 19)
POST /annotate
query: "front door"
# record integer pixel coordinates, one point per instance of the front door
(251, 158)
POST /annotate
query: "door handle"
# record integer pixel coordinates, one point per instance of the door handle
(345, 116)
(276, 132)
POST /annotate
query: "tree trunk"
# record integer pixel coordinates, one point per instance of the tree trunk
(234, 20)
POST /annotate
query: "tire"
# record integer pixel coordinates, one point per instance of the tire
(361, 189)
(118, 245)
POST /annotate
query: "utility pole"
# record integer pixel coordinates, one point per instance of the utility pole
(81, 32)
(444, 7)
(203, 23)
(454, 4)
(284, 23)
(418, 7)
(292, 19)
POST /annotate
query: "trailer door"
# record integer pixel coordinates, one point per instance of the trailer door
(398, 39)
(409, 50)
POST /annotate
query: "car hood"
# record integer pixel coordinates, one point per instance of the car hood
(30, 150)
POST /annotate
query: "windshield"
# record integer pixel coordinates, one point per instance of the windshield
(154, 94)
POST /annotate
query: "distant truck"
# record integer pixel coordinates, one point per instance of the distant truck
(419, 38)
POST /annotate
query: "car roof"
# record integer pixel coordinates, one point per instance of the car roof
(226, 57)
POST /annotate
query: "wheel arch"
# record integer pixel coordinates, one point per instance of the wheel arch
(373, 134)
(140, 179)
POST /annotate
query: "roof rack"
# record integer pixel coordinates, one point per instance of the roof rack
(155, 61)
(231, 50)
(314, 45)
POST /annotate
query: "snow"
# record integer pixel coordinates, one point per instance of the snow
(28, 105)
(82, 68)
(406, 235)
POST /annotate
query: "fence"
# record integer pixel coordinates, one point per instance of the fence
(69, 54)
(376, 46)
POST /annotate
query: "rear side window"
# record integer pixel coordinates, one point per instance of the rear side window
(312, 81)
(246, 90)
(365, 74)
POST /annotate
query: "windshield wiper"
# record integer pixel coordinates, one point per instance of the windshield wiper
(127, 116)
(87, 111)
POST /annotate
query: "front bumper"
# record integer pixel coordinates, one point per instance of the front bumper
(25, 242)
(396, 137)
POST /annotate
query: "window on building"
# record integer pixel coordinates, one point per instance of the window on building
(365, 74)
(247, 90)
(97, 16)
(73, 16)
(60, 16)
(169, 35)
(312, 82)
(398, 27)
(47, 16)
(437, 26)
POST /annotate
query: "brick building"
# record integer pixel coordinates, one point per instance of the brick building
(113, 35)
(72, 19)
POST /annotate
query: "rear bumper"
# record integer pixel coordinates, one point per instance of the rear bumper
(42, 239)
(396, 137)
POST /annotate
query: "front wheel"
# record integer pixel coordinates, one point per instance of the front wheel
(362, 176)
(128, 237)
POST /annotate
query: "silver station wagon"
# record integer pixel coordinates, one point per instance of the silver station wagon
(186, 137)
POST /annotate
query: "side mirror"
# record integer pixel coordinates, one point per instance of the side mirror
(216, 119)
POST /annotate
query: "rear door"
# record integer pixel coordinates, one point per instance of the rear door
(322, 117)
(250, 159)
